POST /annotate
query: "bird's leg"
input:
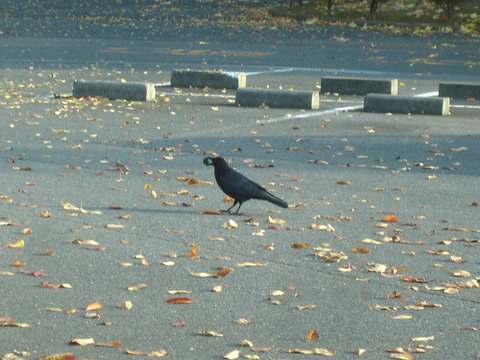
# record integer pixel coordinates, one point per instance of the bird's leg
(230, 208)
(239, 205)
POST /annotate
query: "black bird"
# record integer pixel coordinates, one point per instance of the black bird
(237, 186)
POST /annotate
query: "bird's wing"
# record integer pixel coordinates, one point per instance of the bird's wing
(237, 185)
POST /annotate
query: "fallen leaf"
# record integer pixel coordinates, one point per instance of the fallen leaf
(425, 338)
(401, 317)
(300, 246)
(211, 212)
(61, 356)
(362, 250)
(82, 342)
(18, 244)
(110, 344)
(312, 335)
(306, 307)
(180, 300)
(14, 324)
(94, 306)
(390, 218)
(193, 254)
(235, 354)
(137, 287)
(210, 333)
(414, 279)
(128, 305)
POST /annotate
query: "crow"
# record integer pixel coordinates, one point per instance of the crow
(237, 186)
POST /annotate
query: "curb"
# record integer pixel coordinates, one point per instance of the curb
(211, 79)
(407, 104)
(460, 91)
(115, 90)
(358, 86)
(278, 98)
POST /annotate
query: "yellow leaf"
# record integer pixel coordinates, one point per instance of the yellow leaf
(249, 264)
(147, 186)
(230, 224)
(462, 273)
(193, 181)
(210, 333)
(235, 354)
(425, 338)
(125, 305)
(401, 317)
(276, 221)
(19, 244)
(137, 287)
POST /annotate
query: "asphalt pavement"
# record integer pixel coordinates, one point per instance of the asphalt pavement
(105, 202)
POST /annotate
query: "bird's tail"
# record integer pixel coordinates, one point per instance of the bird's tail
(275, 200)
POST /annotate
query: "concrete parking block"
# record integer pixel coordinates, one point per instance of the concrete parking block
(211, 79)
(278, 98)
(460, 91)
(115, 90)
(358, 86)
(407, 104)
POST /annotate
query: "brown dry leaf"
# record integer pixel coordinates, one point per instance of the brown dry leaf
(82, 342)
(300, 246)
(223, 272)
(62, 356)
(210, 333)
(211, 212)
(49, 285)
(110, 344)
(362, 250)
(344, 182)
(395, 295)
(414, 279)
(262, 350)
(306, 307)
(312, 335)
(180, 300)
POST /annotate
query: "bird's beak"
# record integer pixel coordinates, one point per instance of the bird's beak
(208, 161)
